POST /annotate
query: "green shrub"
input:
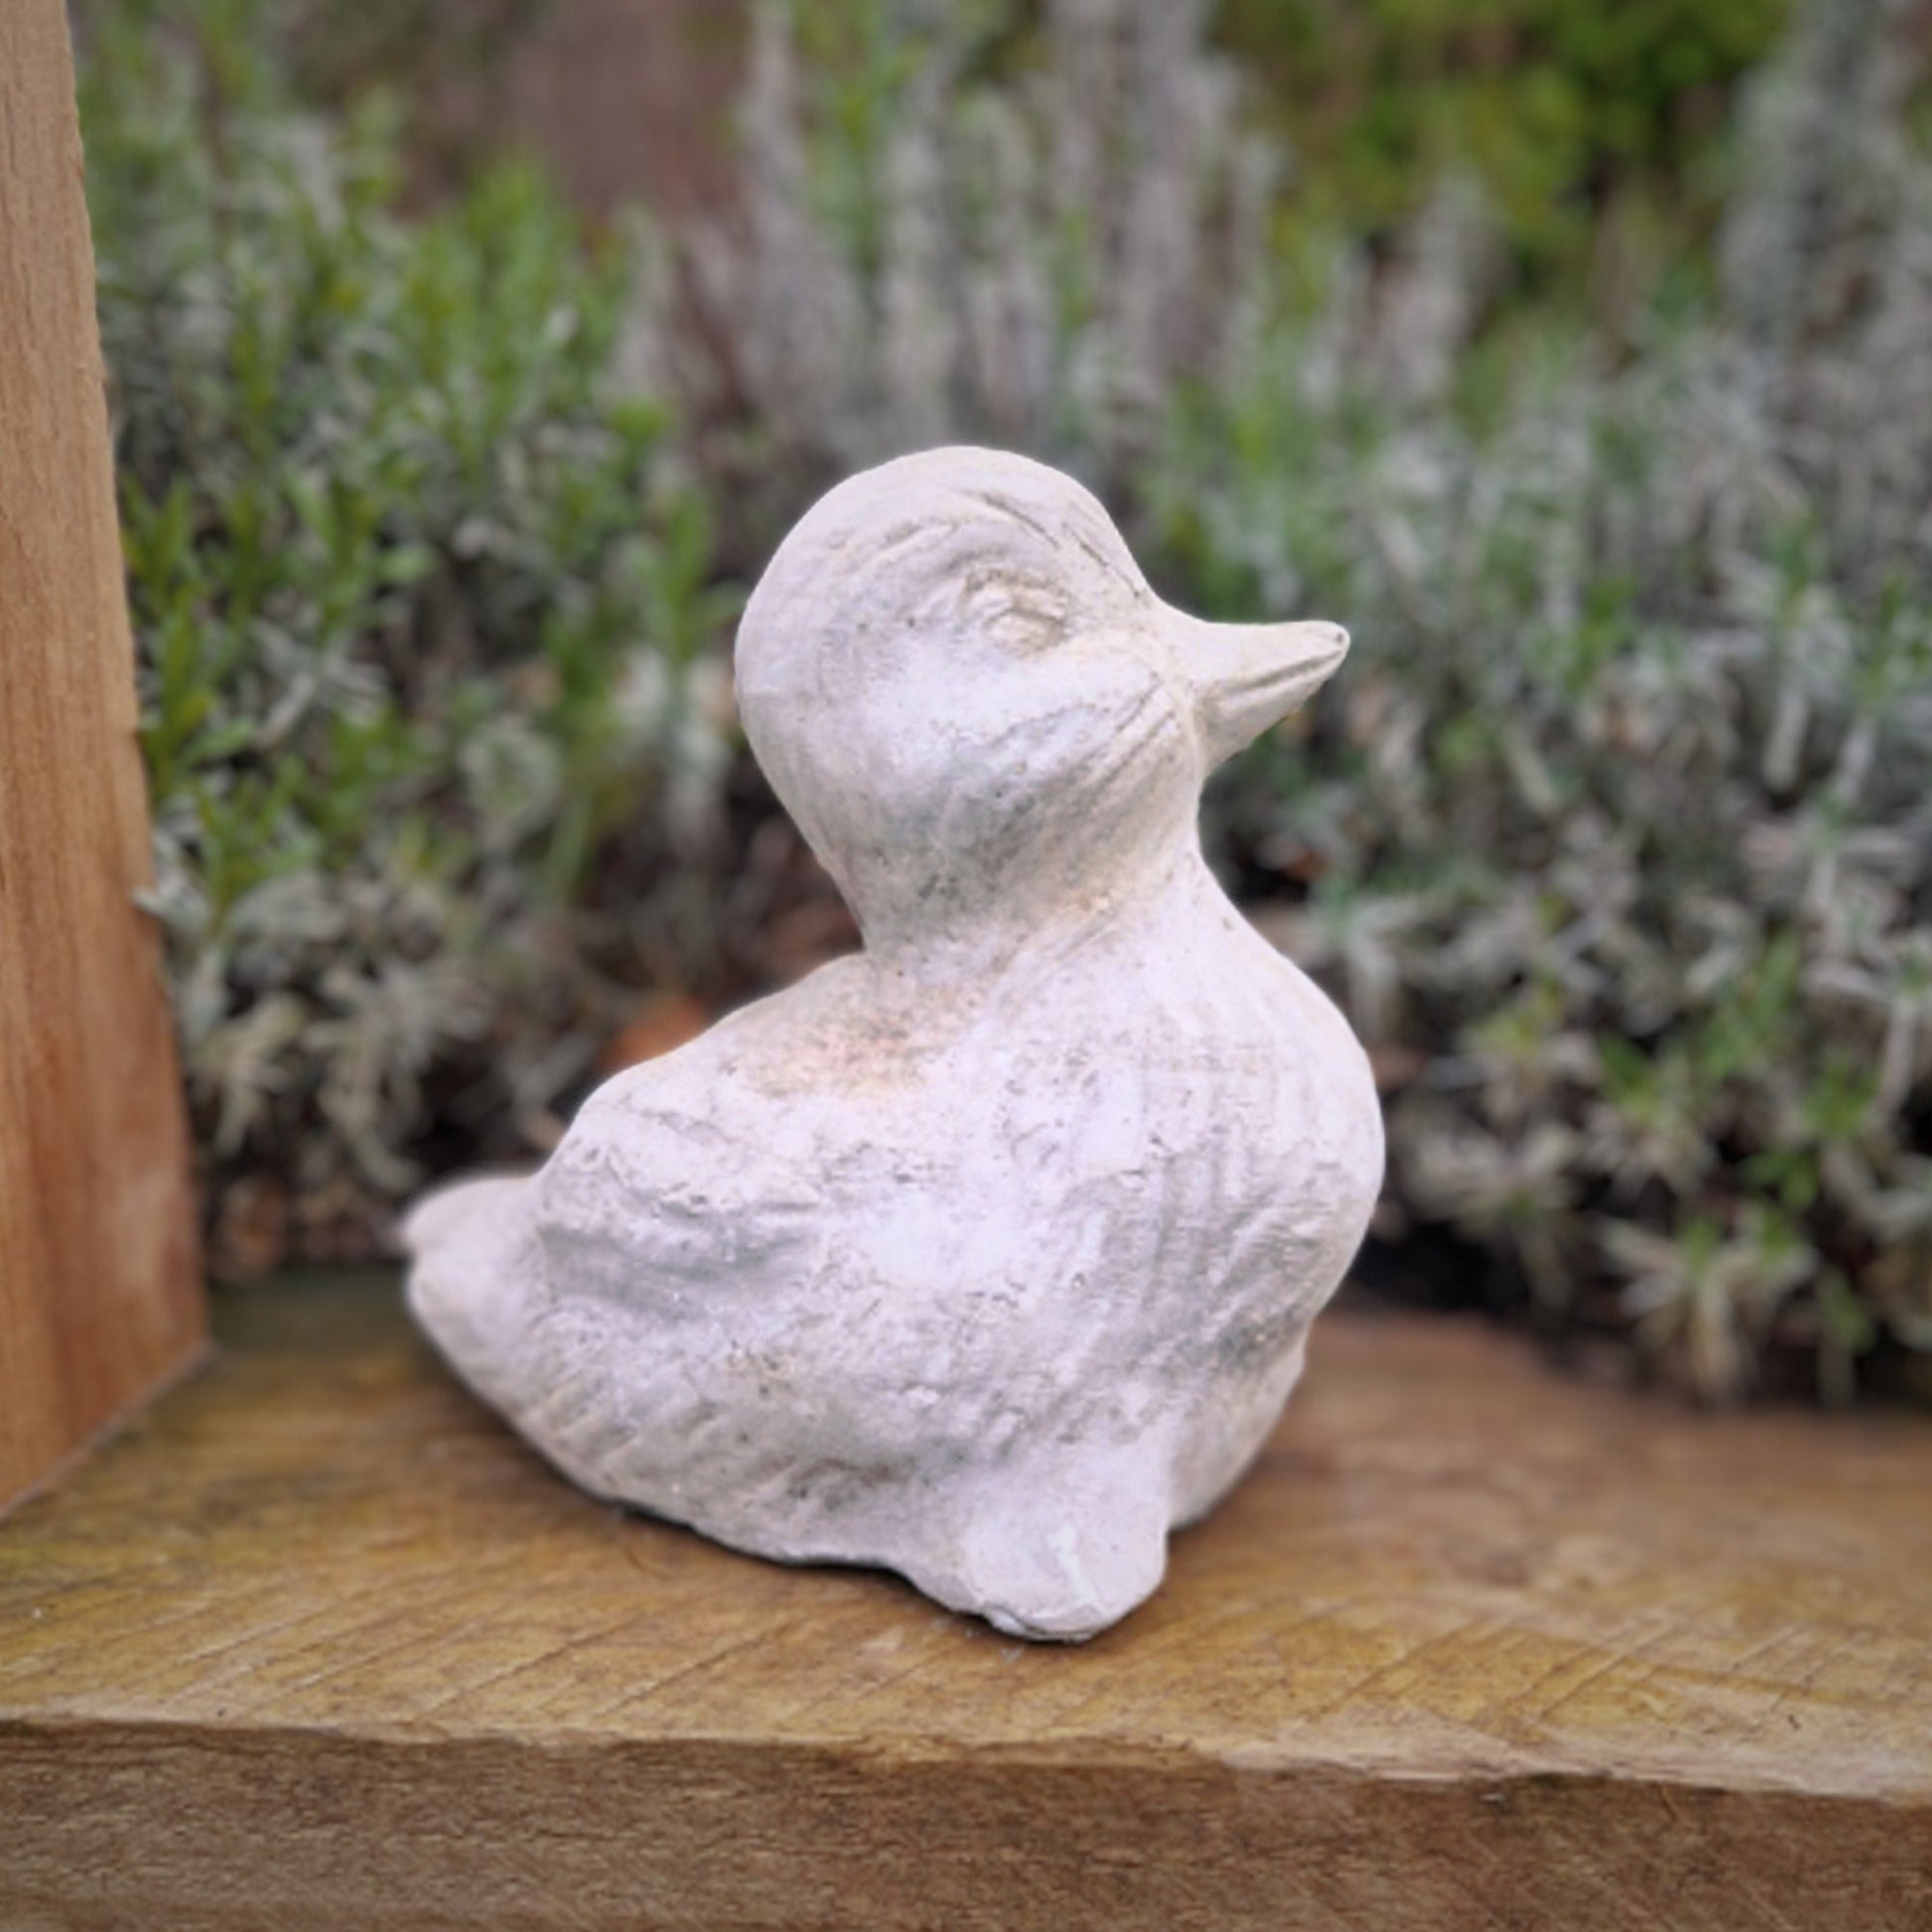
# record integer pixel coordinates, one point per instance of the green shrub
(1560, 110)
(1555, 106)
(954, 228)
(423, 626)
(1615, 836)
(1614, 839)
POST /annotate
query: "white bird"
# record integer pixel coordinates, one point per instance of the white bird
(988, 1254)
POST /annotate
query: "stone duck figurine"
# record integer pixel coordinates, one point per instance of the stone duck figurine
(988, 1254)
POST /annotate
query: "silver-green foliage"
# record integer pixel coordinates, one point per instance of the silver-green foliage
(420, 612)
(1616, 838)
(1619, 828)
(929, 251)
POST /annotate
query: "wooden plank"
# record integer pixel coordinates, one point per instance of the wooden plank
(99, 1292)
(319, 1644)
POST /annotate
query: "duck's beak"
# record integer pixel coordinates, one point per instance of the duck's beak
(1248, 677)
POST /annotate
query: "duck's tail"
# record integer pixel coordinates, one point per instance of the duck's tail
(475, 1278)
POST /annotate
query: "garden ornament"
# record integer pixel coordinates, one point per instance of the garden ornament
(987, 1255)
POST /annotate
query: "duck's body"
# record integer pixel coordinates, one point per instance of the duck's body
(986, 1256)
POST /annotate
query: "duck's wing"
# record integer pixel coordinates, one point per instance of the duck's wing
(574, 1299)
(659, 1206)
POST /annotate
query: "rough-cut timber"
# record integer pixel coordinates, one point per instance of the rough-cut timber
(319, 1644)
(98, 1275)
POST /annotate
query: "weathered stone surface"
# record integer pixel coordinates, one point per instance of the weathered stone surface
(987, 1255)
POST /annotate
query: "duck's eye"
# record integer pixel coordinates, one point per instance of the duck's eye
(1020, 614)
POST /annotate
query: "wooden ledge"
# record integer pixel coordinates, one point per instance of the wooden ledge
(319, 1644)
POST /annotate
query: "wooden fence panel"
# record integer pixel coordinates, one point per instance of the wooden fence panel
(99, 1295)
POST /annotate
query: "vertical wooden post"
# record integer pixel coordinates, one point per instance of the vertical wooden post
(99, 1278)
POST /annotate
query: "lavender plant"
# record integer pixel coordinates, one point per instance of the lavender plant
(928, 254)
(1618, 845)
(1616, 841)
(435, 738)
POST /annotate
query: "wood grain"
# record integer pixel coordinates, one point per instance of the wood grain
(319, 1644)
(99, 1274)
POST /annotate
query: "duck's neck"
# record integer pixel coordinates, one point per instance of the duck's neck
(991, 952)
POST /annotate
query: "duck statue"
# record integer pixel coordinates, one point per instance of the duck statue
(988, 1254)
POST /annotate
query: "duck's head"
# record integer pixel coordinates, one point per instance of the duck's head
(973, 706)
